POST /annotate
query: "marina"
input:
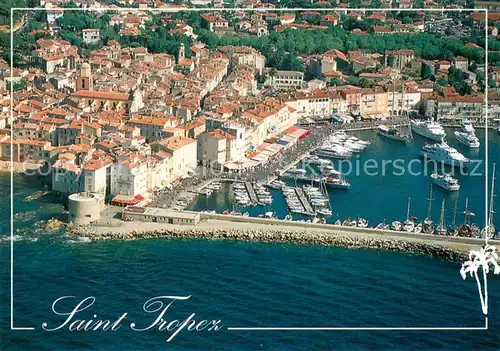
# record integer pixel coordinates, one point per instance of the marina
(385, 203)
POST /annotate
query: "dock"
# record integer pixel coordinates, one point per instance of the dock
(317, 181)
(303, 199)
(251, 192)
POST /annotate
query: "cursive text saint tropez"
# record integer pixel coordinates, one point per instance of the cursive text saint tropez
(157, 307)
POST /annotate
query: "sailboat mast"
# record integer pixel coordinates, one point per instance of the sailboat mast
(429, 207)
(408, 211)
(393, 98)
(402, 108)
(466, 212)
(441, 219)
(490, 216)
(455, 212)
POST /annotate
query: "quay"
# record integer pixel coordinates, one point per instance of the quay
(303, 199)
(251, 192)
(302, 178)
(219, 180)
(285, 169)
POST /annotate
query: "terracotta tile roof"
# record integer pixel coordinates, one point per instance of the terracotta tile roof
(104, 95)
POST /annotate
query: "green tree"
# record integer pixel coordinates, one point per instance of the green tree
(407, 20)
(426, 72)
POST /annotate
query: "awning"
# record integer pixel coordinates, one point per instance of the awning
(291, 129)
(125, 200)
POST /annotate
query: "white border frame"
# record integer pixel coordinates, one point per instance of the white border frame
(174, 10)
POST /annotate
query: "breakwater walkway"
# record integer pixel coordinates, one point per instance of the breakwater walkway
(227, 227)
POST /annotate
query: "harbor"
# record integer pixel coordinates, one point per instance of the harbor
(374, 198)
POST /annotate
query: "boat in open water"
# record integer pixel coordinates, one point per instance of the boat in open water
(443, 153)
(468, 139)
(445, 181)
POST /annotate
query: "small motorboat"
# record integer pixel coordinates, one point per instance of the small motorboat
(382, 226)
(269, 215)
(396, 225)
(418, 228)
(428, 226)
(362, 223)
(349, 222)
(441, 230)
(452, 230)
(338, 222)
(408, 226)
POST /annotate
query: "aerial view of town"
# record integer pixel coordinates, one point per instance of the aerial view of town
(367, 123)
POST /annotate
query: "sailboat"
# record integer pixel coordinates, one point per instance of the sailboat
(408, 225)
(324, 191)
(441, 229)
(396, 133)
(467, 228)
(452, 228)
(428, 225)
(488, 232)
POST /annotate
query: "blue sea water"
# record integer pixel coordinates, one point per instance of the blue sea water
(242, 284)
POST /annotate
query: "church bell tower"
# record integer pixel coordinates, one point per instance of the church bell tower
(84, 81)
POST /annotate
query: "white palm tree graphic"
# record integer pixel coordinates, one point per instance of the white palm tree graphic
(483, 258)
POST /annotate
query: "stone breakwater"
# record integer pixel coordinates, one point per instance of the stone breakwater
(282, 236)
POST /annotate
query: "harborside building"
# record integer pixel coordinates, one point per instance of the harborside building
(456, 108)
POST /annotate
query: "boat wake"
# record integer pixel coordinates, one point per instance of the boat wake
(6, 239)
(78, 240)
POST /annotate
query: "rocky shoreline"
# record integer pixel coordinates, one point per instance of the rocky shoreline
(281, 236)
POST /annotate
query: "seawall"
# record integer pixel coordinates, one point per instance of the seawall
(240, 228)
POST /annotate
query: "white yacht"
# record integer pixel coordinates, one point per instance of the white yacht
(428, 129)
(354, 146)
(445, 181)
(468, 139)
(334, 152)
(466, 126)
(324, 212)
(444, 153)
(315, 160)
(297, 171)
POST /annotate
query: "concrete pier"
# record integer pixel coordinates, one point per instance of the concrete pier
(251, 192)
(303, 199)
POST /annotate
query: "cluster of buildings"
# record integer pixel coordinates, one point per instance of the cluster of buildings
(123, 122)
(120, 122)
